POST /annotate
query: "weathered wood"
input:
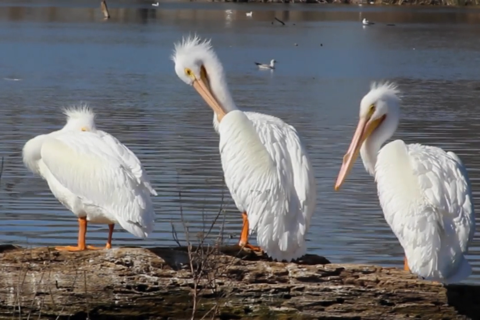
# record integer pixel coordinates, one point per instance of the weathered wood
(156, 283)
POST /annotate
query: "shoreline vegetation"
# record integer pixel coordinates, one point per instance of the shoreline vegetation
(211, 282)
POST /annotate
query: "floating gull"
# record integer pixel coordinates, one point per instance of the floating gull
(267, 66)
(156, 4)
(228, 11)
(365, 22)
(249, 14)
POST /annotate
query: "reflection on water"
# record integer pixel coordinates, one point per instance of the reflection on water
(62, 53)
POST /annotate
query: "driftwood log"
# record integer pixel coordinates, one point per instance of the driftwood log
(157, 283)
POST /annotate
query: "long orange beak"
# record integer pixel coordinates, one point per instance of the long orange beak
(363, 131)
(202, 86)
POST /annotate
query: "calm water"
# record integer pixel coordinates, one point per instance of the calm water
(65, 53)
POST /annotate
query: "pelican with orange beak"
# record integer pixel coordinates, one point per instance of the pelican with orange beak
(266, 166)
(424, 191)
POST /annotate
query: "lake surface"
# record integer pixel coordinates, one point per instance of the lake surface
(54, 54)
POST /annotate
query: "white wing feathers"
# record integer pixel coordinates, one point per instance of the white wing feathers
(445, 182)
(467, 216)
(426, 199)
(269, 176)
(116, 188)
(287, 150)
(129, 158)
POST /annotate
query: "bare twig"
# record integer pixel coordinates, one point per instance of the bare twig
(19, 288)
(209, 311)
(190, 257)
(204, 267)
(175, 234)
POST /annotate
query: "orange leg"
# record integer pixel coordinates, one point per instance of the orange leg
(110, 232)
(82, 231)
(244, 235)
(405, 264)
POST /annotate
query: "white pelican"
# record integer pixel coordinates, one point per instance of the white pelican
(266, 166)
(365, 22)
(424, 191)
(156, 4)
(93, 175)
(266, 66)
(249, 14)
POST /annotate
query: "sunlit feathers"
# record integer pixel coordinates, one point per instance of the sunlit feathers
(93, 174)
(424, 191)
(266, 167)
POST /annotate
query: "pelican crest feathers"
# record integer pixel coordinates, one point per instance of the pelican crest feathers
(190, 44)
(382, 89)
(79, 116)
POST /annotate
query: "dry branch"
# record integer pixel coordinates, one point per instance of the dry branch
(156, 283)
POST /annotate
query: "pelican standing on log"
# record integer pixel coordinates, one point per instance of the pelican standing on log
(93, 175)
(266, 166)
(424, 191)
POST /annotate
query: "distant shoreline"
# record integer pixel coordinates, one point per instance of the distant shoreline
(399, 3)
(429, 3)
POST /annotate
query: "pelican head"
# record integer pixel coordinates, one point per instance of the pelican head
(197, 65)
(379, 117)
(79, 118)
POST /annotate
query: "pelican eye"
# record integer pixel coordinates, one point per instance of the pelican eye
(372, 109)
(189, 73)
(84, 129)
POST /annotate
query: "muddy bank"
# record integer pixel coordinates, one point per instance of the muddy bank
(158, 283)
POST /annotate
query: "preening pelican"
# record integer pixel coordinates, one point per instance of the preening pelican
(270, 66)
(93, 175)
(266, 166)
(424, 191)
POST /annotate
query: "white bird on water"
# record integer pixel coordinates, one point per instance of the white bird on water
(424, 191)
(93, 175)
(250, 14)
(265, 164)
(156, 4)
(365, 22)
(266, 66)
